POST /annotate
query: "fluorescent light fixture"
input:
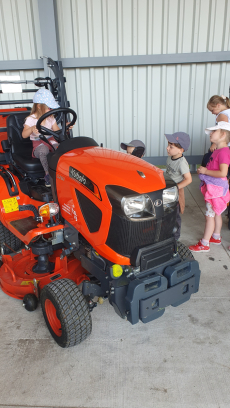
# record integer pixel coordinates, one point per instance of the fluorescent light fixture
(10, 88)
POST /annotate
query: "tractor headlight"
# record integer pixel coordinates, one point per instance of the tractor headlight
(170, 195)
(132, 205)
(138, 206)
(128, 203)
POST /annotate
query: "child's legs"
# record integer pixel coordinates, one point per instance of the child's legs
(210, 222)
(41, 152)
(213, 222)
(209, 228)
(218, 224)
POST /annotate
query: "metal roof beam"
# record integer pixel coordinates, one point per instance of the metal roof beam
(131, 60)
(156, 59)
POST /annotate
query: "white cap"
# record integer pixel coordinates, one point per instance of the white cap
(220, 125)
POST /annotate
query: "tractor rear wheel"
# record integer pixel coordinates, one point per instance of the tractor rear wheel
(66, 312)
(183, 251)
(6, 237)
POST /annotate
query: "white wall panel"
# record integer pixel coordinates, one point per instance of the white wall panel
(93, 28)
(20, 36)
(121, 104)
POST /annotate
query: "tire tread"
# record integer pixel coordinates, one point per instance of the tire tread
(73, 311)
(183, 251)
(10, 239)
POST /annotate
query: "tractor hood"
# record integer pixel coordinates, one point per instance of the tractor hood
(108, 167)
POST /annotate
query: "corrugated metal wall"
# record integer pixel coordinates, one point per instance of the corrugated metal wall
(20, 36)
(119, 104)
(20, 39)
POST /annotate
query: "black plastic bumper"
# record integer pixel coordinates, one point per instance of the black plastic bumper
(146, 296)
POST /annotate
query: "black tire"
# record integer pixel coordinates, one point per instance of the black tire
(66, 312)
(183, 251)
(10, 239)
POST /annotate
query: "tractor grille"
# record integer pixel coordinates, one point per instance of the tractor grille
(125, 235)
(91, 213)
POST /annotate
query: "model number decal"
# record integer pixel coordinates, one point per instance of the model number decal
(60, 177)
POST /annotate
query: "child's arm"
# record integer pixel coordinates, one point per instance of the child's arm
(187, 180)
(55, 127)
(214, 173)
(28, 130)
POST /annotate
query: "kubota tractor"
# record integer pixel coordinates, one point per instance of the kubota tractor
(103, 231)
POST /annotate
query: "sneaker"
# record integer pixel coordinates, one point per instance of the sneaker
(215, 241)
(47, 180)
(199, 248)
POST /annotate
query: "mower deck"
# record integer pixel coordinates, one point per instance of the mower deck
(18, 279)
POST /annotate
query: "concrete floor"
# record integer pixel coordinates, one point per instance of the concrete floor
(180, 360)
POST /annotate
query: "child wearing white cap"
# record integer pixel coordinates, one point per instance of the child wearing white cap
(214, 186)
(43, 101)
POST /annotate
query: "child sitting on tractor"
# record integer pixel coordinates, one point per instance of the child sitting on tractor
(43, 102)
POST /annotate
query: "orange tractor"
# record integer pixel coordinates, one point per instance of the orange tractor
(104, 230)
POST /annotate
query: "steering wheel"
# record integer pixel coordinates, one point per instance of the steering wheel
(59, 135)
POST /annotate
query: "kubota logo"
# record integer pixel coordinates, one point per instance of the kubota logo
(77, 175)
(158, 203)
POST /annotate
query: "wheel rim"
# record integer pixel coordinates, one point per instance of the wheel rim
(51, 314)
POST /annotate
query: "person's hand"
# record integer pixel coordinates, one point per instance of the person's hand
(213, 147)
(34, 130)
(71, 127)
(201, 170)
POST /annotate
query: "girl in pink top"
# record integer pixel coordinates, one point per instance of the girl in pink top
(214, 186)
(43, 102)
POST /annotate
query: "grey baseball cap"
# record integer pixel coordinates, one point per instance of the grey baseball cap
(179, 137)
(133, 143)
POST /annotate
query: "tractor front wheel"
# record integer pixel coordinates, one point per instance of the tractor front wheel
(183, 251)
(66, 312)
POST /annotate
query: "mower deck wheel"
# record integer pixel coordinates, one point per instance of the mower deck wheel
(30, 302)
(66, 312)
(183, 251)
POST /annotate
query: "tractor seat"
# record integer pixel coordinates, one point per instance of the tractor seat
(21, 148)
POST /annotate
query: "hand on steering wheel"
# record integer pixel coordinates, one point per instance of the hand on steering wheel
(59, 135)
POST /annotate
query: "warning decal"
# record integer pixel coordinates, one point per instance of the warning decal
(10, 204)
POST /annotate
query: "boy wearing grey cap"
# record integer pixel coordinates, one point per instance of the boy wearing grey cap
(177, 168)
(135, 147)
